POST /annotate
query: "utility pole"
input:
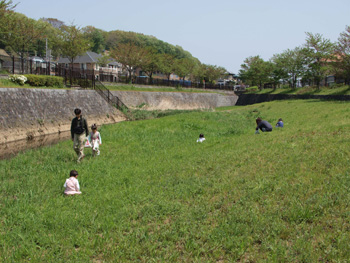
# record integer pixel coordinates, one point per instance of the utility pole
(46, 50)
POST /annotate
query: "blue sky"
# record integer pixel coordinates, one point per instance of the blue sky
(218, 32)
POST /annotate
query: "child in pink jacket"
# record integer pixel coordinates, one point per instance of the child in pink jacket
(72, 184)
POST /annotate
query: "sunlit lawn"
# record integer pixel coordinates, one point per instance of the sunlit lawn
(155, 195)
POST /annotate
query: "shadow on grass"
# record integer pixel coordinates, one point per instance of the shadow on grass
(288, 91)
(342, 92)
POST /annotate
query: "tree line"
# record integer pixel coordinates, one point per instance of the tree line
(309, 63)
(25, 37)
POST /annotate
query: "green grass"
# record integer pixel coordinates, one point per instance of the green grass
(155, 195)
(5, 83)
(311, 90)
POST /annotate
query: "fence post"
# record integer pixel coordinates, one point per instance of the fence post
(13, 64)
(93, 79)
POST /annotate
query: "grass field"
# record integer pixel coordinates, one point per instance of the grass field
(155, 195)
(310, 90)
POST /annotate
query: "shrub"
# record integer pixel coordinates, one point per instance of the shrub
(19, 79)
(43, 80)
(252, 89)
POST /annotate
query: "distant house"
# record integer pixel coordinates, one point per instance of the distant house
(90, 61)
(3, 58)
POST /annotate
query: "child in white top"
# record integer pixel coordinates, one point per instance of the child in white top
(95, 140)
(72, 184)
(201, 138)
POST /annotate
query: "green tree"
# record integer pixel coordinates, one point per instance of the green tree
(95, 37)
(342, 57)
(290, 65)
(184, 67)
(53, 22)
(198, 73)
(256, 72)
(150, 63)
(319, 52)
(212, 73)
(130, 56)
(6, 8)
(104, 60)
(72, 43)
(21, 34)
(277, 74)
(167, 64)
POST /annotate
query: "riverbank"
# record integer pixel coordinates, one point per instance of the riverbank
(28, 113)
(155, 195)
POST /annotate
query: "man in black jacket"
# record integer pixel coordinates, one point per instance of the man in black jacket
(79, 130)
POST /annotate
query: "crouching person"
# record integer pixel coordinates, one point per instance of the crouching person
(264, 126)
(72, 184)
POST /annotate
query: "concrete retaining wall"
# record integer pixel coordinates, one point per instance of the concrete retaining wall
(26, 113)
(175, 100)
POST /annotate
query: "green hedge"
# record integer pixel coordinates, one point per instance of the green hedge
(44, 80)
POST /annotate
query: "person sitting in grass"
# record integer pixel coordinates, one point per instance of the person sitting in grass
(95, 140)
(264, 126)
(72, 184)
(201, 138)
(279, 124)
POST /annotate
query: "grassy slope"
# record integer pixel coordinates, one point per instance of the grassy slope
(342, 90)
(154, 193)
(5, 83)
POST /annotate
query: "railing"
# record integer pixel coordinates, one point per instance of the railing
(86, 77)
(109, 97)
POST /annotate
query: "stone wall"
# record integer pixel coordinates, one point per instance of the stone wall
(175, 100)
(26, 113)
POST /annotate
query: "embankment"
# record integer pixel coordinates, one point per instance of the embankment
(175, 100)
(27, 113)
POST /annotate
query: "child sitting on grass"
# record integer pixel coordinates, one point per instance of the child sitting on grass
(279, 124)
(95, 140)
(201, 138)
(72, 184)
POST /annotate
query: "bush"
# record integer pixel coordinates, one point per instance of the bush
(19, 79)
(43, 80)
(252, 89)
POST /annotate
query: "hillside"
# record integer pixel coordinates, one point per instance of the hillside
(154, 194)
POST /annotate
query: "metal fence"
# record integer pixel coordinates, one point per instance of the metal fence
(76, 77)
(179, 83)
(86, 78)
(17, 65)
